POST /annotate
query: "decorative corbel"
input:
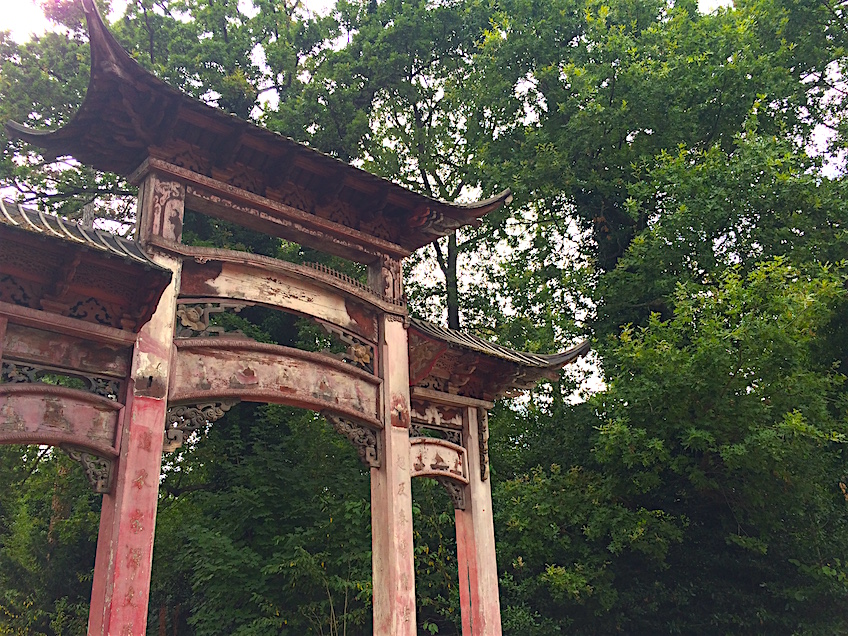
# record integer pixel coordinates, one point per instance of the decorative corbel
(181, 421)
(364, 439)
(98, 470)
(455, 490)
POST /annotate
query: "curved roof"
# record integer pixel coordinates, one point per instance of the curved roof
(468, 341)
(129, 114)
(54, 227)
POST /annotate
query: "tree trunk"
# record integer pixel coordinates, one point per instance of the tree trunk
(451, 283)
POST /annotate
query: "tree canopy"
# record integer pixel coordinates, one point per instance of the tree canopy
(668, 204)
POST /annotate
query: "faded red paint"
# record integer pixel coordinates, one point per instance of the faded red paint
(44, 414)
(127, 525)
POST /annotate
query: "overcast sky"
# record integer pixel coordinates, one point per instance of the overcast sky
(23, 17)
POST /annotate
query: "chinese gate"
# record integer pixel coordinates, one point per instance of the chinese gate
(128, 322)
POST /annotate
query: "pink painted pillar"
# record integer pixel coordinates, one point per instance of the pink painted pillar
(121, 586)
(391, 487)
(475, 537)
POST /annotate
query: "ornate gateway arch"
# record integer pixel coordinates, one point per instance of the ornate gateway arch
(126, 325)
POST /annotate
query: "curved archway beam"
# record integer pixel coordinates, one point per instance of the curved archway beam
(212, 273)
(209, 369)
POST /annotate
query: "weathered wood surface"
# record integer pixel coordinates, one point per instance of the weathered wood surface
(62, 324)
(43, 414)
(27, 344)
(432, 414)
(475, 540)
(220, 368)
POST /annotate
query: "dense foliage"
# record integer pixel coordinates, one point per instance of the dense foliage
(666, 204)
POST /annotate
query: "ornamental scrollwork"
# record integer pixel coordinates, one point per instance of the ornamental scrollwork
(181, 421)
(12, 372)
(194, 320)
(363, 438)
(98, 470)
(449, 435)
(94, 310)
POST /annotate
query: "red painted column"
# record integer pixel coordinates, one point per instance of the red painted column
(391, 487)
(121, 586)
(475, 537)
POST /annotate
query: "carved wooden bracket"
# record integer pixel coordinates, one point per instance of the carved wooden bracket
(98, 470)
(455, 490)
(363, 438)
(181, 421)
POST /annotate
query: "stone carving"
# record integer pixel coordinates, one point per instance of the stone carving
(106, 387)
(363, 438)
(455, 490)
(436, 415)
(98, 470)
(168, 201)
(483, 441)
(194, 319)
(181, 421)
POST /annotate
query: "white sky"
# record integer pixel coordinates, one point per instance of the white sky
(24, 17)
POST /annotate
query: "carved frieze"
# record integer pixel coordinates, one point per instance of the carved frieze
(182, 420)
(449, 435)
(95, 310)
(435, 414)
(364, 439)
(14, 372)
(17, 292)
(434, 457)
(98, 470)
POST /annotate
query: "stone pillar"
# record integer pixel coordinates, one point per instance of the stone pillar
(121, 586)
(475, 536)
(391, 487)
